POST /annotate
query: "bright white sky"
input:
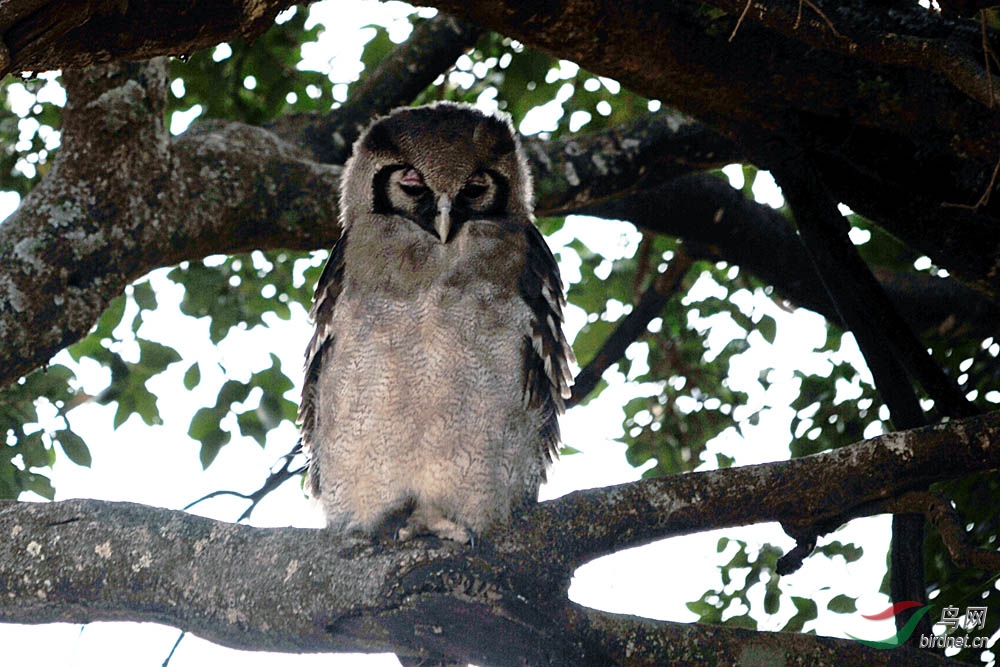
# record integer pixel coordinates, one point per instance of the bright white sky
(160, 466)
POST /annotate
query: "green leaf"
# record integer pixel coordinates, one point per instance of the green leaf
(251, 426)
(74, 447)
(806, 612)
(40, 484)
(210, 446)
(768, 328)
(849, 552)
(772, 596)
(144, 295)
(842, 604)
(34, 452)
(192, 376)
(155, 357)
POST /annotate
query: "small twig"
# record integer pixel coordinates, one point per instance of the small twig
(829, 23)
(642, 262)
(985, 198)
(177, 643)
(986, 56)
(273, 481)
(739, 21)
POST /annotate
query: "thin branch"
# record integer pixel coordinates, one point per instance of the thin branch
(653, 300)
(275, 479)
(173, 649)
(862, 303)
(812, 6)
(399, 78)
(984, 199)
(739, 21)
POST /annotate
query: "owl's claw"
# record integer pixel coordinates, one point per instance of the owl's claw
(420, 523)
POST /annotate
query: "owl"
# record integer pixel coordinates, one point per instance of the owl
(438, 367)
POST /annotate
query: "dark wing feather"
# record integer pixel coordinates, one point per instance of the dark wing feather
(324, 300)
(547, 354)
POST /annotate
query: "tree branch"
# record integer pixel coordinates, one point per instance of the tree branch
(42, 35)
(652, 302)
(940, 513)
(827, 488)
(717, 222)
(643, 642)
(299, 590)
(399, 78)
(866, 309)
(928, 42)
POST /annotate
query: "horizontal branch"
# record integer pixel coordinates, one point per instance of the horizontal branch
(717, 222)
(824, 489)
(43, 35)
(942, 49)
(896, 142)
(644, 642)
(502, 602)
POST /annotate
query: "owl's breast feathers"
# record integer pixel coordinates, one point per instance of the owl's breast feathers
(512, 257)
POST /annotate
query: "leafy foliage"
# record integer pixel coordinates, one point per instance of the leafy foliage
(253, 83)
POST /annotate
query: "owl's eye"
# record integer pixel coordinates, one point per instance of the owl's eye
(411, 182)
(477, 185)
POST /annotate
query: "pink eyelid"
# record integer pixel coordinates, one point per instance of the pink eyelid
(411, 178)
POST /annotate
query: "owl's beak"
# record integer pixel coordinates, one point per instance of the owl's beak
(442, 221)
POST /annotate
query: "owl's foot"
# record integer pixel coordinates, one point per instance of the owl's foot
(429, 523)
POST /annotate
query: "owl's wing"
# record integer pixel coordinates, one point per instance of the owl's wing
(547, 354)
(324, 299)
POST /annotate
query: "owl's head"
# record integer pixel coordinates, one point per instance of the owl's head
(438, 166)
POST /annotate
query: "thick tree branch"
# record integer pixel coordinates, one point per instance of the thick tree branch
(717, 222)
(929, 43)
(305, 590)
(42, 35)
(887, 134)
(640, 641)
